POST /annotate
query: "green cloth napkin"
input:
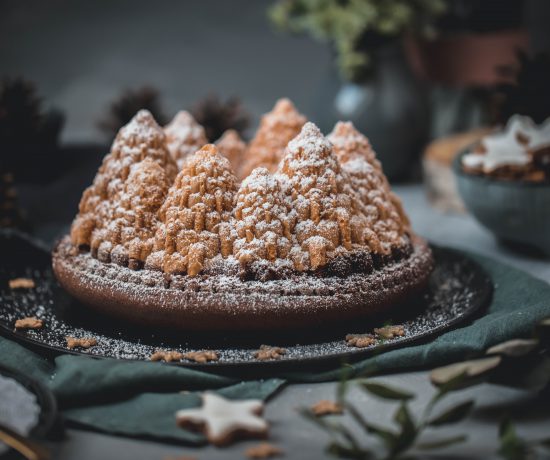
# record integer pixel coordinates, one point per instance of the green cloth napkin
(140, 398)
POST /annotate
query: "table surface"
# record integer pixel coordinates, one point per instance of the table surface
(300, 439)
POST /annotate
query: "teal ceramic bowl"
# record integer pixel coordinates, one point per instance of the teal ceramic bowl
(514, 211)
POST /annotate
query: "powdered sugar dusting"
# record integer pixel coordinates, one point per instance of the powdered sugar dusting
(454, 291)
(194, 219)
(276, 129)
(141, 138)
(184, 136)
(326, 201)
(382, 208)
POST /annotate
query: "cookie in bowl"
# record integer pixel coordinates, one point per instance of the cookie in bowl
(504, 181)
(311, 235)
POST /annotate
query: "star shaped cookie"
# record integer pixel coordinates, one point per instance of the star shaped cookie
(222, 420)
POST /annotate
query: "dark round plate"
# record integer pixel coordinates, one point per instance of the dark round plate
(458, 289)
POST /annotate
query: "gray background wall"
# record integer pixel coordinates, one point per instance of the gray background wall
(83, 53)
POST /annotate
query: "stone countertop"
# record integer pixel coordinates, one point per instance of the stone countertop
(301, 440)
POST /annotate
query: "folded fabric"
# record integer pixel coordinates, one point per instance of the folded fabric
(140, 398)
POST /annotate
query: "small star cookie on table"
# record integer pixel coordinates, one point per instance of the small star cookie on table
(223, 421)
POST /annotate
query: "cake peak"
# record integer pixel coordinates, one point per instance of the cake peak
(184, 136)
(350, 143)
(345, 129)
(277, 128)
(310, 141)
(283, 106)
(232, 147)
(229, 136)
(142, 128)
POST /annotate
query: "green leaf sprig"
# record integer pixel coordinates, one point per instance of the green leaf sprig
(523, 363)
(357, 27)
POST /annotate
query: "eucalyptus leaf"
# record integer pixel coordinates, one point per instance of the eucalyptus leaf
(453, 414)
(453, 384)
(344, 24)
(340, 450)
(512, 447)
(386, 392)
(513, 348)
(321, 422)
(441, 443)
(471, 372)
(386, 436)
(408, 432)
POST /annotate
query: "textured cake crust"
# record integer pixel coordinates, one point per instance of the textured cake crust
(224, 302)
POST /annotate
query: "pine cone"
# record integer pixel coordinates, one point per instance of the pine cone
(217, 116)
(24, 127)
(128, 104)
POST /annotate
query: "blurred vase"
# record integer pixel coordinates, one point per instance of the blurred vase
(390, 108)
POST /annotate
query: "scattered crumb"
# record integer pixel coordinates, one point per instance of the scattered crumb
(263, 450)
(267, 352)
(21, 283)
(201, 356)
(84, 342)
(31, 322)
(389, 332)
(325, 407)
(360, 340)
(167, 356)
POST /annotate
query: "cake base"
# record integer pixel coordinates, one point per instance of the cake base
(226, 303)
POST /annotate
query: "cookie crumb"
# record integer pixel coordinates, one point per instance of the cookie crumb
(31, 322)
(390, 332)
(21, 283)
(360, 340)
(326, 407)
(263, 450)
(267, 352)
(167, 356)
(204, 356)
(84, 342)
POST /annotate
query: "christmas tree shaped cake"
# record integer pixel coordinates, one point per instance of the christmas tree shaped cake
(311, 236)
(195, 215)
(141, 138)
